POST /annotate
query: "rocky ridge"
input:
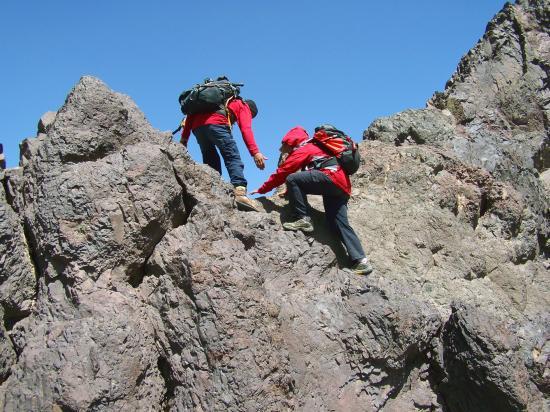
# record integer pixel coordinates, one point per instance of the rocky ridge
(128, 280)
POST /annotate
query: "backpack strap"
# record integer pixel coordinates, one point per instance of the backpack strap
(324, 163)
(227, 111)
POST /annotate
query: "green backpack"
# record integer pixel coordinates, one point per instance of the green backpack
(209, 96)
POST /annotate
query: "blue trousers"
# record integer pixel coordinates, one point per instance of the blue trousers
(335, 201)
(216, 136)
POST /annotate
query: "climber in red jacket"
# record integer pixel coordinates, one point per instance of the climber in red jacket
(318, 176)
(213, 130)
(2, 160)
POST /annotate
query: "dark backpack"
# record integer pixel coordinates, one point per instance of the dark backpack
(2, 160)
(339, 146)
(210, 96)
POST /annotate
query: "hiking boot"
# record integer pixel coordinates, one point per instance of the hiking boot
(303, 224)
(362, 267)
(243, 202)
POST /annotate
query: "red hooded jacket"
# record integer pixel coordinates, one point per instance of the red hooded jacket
(239, 111)
(304, 153)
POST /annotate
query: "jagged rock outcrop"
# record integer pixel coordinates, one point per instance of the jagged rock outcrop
(128, 280)
(495, 110)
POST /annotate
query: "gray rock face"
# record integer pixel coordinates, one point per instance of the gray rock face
(128, 280)
(495, 110)
(18, 278)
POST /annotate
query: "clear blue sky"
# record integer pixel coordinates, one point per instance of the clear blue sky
(303, 62)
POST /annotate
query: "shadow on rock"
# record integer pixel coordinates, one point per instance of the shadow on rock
(322, 233)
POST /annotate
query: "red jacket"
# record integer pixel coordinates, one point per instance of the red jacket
(300, 158)
(239, 111)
